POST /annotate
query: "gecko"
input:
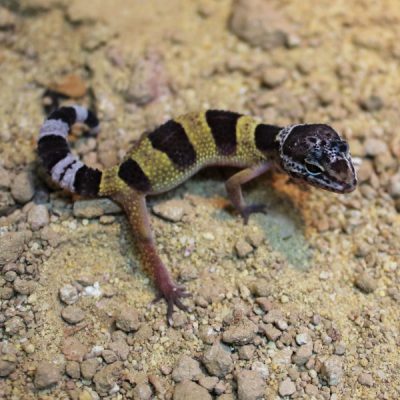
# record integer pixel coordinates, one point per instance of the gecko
(170, 154)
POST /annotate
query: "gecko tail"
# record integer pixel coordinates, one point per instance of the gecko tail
(65, 168)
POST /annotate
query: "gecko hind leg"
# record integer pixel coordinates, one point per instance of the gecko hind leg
(135, 206)
(234, 188)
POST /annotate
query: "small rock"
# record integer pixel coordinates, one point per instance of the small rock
(372, 103)
(142, 391)
(8, 359)
(394, 186)
(120, 348)
(340, 349)
(332, 370)
(95, 208)
(127, 319)
(259, 23)
(373, 147)
(72, 314)
(241, 333)
(218, 361)
(47, 375)
(208, 382)
(89, 368)
(22, 188)
(365, 379)
(11, 246)
(109, 356)
(274, 77)
(261, 368)
(73, 370)
(260, 288)
(251, 385)
(106, 379)
(6, 203)
(365, 282)
(68, 294)
(15, 325)
(303, 338)
(23, 286)
(243, 248)
(272, 333)
(286, 388)
(246, 352)
(186, 369)
(189, 390)
(5, 179)
(73, 349)
(255, 238)
(303, 354)
(38, 217)
(70, 85)
(171, 210)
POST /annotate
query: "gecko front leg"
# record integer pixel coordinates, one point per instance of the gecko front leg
(234, 188)
(135, 207)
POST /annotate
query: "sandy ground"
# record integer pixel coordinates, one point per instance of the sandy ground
(302, 303)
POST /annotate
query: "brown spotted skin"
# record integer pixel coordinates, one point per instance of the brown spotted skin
(166, 157)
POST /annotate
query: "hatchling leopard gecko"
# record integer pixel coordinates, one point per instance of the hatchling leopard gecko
(164, 158)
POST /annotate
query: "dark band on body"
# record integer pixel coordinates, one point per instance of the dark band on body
(87, 181)
(65, 114)
(52, 149)
(172, 140)
(265, 137)
(223, 128)
(131, 173)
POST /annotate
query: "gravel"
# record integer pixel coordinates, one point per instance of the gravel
(190, 390)
(127, 319)
(95, 208)
(106, 378)
(287, 387)
(186, 369)
(12, 246)
(38, 217)
(332, 370)
(365, 379)
(251, 385)
(241, 333)
(72, 314)
(47, 374)
(171, 210)
(8, 359)
(365, 282)
(73, 349)
(22, 188)
(69, 294)
(217, 360)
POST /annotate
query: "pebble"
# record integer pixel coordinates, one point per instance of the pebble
(374, 147)
(287, 388)
(15, 325)
(246, 352)
(95, 208)
(189, 390)
(106, 379)
(260, 288)
(22, 188)
(120, 348)
(217, 360)
(8, 359)
(47, 375)
(208, 382)
(243, 248)
(274, 77)
(109, 356)
(251, 385)
(72, 369)
(303, 354)
(186, 369)
(332, 370)
(171, 210)
(70, 85)
(365, 282)
(6, 203)
(72, 314)
(272, 333)
(73, 349)
(365, 379)
(394, 186)
(259, 23)
(11, 246)
(255, 238)
(241, 333)
(38, 217)
(89, 368)
(142, 391)
(5, 178)
(127, 319)
(372, 103)
(68, 294)
(303, 338)
(23, 286)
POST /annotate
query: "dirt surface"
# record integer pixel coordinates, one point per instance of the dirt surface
(303, 303)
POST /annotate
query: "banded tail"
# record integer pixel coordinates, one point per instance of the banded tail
(53, 148)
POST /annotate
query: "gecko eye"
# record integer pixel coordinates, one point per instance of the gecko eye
(313, 168)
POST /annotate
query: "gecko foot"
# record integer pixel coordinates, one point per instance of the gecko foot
(172, 294)
(250, 209)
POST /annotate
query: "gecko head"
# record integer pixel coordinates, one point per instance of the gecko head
(316, 154)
